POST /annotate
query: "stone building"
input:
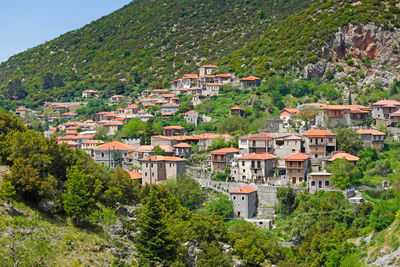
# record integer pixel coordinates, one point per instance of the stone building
(207, 69)
(173, 130)
(89, 145)
(183, 150)
(256, 143)
(191, 117)
(256, 167)
(317, 181)
(330, 116)
(319, 144)
(111, 154)
(382, 109)
(250, 82)
(220, 158)
(372, 138)
(297, 167)
(113, 127)
(287, 145)
(287, 114)
(160, 168)
(244, 202)
(90, 94)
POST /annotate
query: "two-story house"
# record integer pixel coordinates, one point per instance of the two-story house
(236, 111)
(345, 115)
(207, 69)
(160, 168)
(256, 167)
(112, 154)
(319, 144)
(191, 117)
(256, 143)
(250, 82)
(173, 130)
(297, 167)
(372, 138)
(220, 158)
(286, 114)
(382, 109)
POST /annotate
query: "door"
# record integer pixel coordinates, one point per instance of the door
(293, 180)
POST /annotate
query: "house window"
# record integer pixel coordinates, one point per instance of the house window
(242, 198)
(313, 183)
(147, 165)
(330, 140)
(244, 170)
(326, 183)
(242, 163)
(102, 155)
(145, 174)
(293, 150)
(170, 164)
(316, 156)
(234, 197)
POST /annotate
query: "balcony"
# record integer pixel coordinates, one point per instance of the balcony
(295, 166)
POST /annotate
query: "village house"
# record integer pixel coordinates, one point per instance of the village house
(135, 175)
(183, 150)
(191, 117)
(145, 151)
(203, 80)
(287, 145)
(372, 138)
(189, 80)
(236, 111)
(90, 94)
(211, 89)
(250, 82)
(382, 109)
(117, 98)
(204, 140)
(345, 115)
(317, 181)
(89, 145)
(113, 127)
(207, 69)
(224, 78)
(131, 109)
(256, 143)
(23, 112)
(319, 144)
(297, 168)
(159, 91)
(343, 155)
(286, 115)
(173, 130)
(220, 158)
(111, 154)
(256, 167)
(69, 116)
(244, 202)
(169, 108)
(60, 108)
(162, 140)
(395, 119)
(160, 168)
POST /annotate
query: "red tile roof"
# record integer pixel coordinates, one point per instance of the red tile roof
(134, 175)
(316, 132)
(250, 78)
(209, 66)
(224, 151)
(370, 131)
(259, 136)
(345, 156)
(297, 157)
(113, 123)
(132, 106)
(191, 111)
(173, 127)
(227, 75)
(260, 156)
(236, 108)
(190, 76)
(93, 142)
(115, 145)
(290, 110)
(213, 84)
(183, 145)
(244, 190)
(387, 103)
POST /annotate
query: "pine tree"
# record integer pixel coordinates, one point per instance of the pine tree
(77, 199)
(154, 245)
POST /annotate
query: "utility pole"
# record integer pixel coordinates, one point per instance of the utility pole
(151, 180)
(355, 221)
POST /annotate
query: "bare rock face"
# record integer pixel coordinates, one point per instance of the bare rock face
(316, 70)
(360, 41)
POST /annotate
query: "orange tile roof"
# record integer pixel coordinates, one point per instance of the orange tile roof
(244, 190)
(163, 158)
(297, 157)
(173, 127)
(259, 136)
(170, 105)
(93, 142)
(208, 76)
(224, 151)
(211, 136)
(68, 114)
(316, 132)
(115, 145)
(292, 137)
(290, 110)
(236, 108)
(387, 103)
(250, 78)
(191, 111)
(132, 106)
(134, 175)
(213, 84)
(259, 156)
(343, 155)
(227, 75)
(190, 76)
(20, 109)
(113, 123)
(209, 66)
(370, 131)
(183, 145)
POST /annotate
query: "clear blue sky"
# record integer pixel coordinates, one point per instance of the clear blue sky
(27, 23)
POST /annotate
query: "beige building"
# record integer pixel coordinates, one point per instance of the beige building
(173, 130)
(250, 82)
(207, 69)
(183, 150)
(191, 117)
(256, 143)
(112, 154)
(344, 115)
(220, 158)
(113, 127)
(319, 144)
(90, 94)
(372, 138)
(256, 167)
(317, 181)
(160, 168)
(297, 167)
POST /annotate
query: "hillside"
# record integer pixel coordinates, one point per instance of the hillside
(143, 42)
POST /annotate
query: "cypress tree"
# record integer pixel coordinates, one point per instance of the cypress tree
(154, 245)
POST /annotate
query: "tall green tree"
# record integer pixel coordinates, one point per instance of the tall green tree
(154, 245)
(285, 196)
(78, 201)
(186, 190)
(121, 188)
(349, 140)
(47, 81)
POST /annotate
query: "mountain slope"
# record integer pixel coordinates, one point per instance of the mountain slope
(145, 41)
